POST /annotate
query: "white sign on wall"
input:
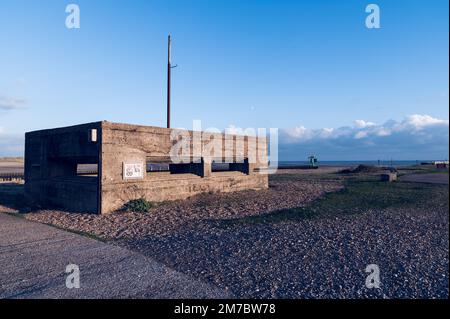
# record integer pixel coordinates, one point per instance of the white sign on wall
(133, 171)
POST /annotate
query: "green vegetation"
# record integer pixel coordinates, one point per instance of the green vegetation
(432, 170)
(140, 205)
(18, 215)
(361, 194)
(77, 232)
(422, 169)
(286, 177)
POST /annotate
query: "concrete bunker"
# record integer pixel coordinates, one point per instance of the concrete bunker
(98, 167)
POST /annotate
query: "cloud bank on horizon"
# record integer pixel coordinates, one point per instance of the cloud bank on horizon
(417, 137)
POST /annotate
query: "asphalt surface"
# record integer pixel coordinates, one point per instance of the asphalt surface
(33, 260)
(433, 178)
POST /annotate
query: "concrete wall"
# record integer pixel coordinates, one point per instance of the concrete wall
(129, 143)
(162, 188)
(51, 158)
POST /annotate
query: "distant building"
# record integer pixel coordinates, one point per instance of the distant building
(441, 164)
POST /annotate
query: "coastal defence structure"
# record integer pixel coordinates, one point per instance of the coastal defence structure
(98, 167)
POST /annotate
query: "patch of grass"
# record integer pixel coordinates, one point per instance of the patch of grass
(361, 193)
(287, 177)
(81, 233)
(426, 169)
(140, 205)
(362, 169)
(77, 232)
(433, 171)
(18, 215)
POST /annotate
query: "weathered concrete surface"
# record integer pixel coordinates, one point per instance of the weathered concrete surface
(33, 259)
(133, 143)
(161, 187)
(52, 158)
(433, 178)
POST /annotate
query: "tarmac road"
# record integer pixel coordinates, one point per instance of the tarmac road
(33, 260)
(432, 178)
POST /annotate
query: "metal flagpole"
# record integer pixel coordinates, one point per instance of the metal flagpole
(169, 67)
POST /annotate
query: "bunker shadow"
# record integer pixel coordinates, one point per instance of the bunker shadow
(12, 197)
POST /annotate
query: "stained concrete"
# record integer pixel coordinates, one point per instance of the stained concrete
(33, 259)
(52, 156)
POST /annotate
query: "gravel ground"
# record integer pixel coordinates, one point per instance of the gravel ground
(169, 217)
(322, 257)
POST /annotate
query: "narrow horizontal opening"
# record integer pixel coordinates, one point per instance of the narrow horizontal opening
(157, 167)
(230, 166)
(87, 170)
(220, 167)
(183, 168)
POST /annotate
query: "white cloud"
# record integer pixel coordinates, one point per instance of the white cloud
(416, 136)
(9, 103)
(420, 121)
(382, 131)
(327, 132)
(363, 124)
(361, 134)
(300, 133)
(364, 129)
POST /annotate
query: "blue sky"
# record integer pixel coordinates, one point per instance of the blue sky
(300, 66)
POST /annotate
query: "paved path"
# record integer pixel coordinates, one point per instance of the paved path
(433, 178)
(33, 259)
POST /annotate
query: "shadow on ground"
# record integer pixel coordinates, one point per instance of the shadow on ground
(12, 197)
(402, 228)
